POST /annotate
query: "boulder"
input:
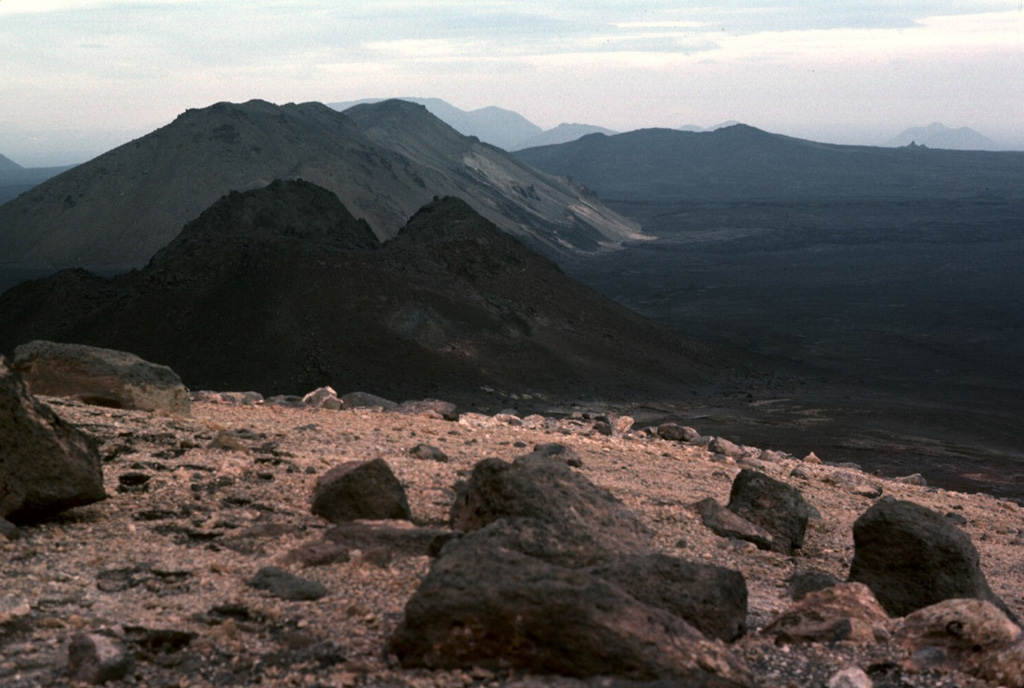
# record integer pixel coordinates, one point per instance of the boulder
(324, 398)
(434, 408)
(850, 677)
(354, 400)
(360, 490)
(534, 486)
(966, 635)
(773, 505)
(428, 452)
(711, 598)
(286, 586)
(46, 465)
(854, 481)
(96, 658)
(400, 537)
(676, 433)
(558, 542)
(499, 609)
(720, 445)
(559, 452)
(103, 377)
(725, 523)
(913, 557)
(804, 582)
(847, 611)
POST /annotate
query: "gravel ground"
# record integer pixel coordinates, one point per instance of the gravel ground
(197, 505)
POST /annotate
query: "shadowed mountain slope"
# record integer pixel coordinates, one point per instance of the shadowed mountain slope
(743, 163)
(120, 208)
(280, 290)
(8, 165)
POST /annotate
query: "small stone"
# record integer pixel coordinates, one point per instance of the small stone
(323, 397)
(812, 458)
(851, 677)
(96, 659)
(427, 452)
(559, 451)
(9, 530)
(286, 586)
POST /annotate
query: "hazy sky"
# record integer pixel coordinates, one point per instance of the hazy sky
(80, 76)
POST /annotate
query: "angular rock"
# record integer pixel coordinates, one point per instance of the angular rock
(499, 609)
(556, 543)
(967, 635)
(773, 505)
(46, 465)
(856, 482)
(558, 451)
(427, 452)
(676, 433)
(809, 581)
(323, 397)
(711, 598)
(847, 611)
(400, 537)
(360, 490)
(95, 658)
(354, 400)
(434, 408)
(720, 445)
(725, 523)
(912, 557)
(318, 553)
(103, 377)
(232, 398)
(9, 530)
(850, 677)
(534, 486)
(286, 586)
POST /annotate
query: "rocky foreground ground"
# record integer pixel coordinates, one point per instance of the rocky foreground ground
(165, 575)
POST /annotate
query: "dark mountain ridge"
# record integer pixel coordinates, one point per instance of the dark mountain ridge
(244, 299)
(120, 208)
(743, 163)
(8, 165)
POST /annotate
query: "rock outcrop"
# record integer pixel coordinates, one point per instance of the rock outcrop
(103, 377)
(360, 490)
(912, 557)
(773, 505)
(46, 465)
(500, 609)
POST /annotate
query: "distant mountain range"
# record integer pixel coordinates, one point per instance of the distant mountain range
(384, 161)
(937, 135)
(281, 290)
(740, 162)
(7, 165)
(696, 129)
(15, 179)
(502, 128)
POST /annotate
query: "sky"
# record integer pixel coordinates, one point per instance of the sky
(78, 77)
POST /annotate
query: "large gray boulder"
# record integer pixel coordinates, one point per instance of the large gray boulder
(712, 598)
(358, 490)
(104, 377)
(773, 505)
(912, 557)
(535, 486)
(499, 609)
(46, 465)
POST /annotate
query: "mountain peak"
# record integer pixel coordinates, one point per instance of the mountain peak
(293, 209)
(8, 165)
(938, 135)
